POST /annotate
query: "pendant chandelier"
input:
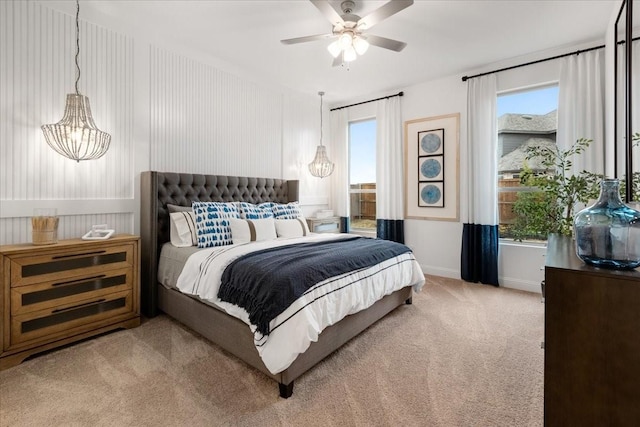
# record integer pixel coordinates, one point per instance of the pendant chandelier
(321, 165)
(76, 136)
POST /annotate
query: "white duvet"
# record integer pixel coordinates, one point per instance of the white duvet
(293, 331)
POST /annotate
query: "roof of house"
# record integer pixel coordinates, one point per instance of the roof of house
(515, 160)
(528, 123)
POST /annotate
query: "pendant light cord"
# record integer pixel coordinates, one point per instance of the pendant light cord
(321, 94)
(77, 45)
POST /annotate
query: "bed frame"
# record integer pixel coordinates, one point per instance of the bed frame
(161, 188)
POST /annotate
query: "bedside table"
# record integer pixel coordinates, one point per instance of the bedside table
(56, 294)
(324, 225)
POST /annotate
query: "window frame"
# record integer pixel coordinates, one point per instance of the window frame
(520, 188)
(351, 192)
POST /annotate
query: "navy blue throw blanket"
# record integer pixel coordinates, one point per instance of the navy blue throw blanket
(266, 282)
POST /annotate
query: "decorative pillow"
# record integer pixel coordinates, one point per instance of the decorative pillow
(252, 230)
(266, 205)
(183, 229)
(212, 222)
(288, 211)
(251, 211)
(292, 227)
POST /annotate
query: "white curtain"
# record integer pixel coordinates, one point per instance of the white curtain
(481, 153)
(339, 131)
(581, 108)
(479, 260)
(389, 160)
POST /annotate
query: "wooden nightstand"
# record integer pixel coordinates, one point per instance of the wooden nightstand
(324, 225)
(57, 294)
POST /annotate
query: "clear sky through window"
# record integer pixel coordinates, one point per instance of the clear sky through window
(362, 155)
(535, 101)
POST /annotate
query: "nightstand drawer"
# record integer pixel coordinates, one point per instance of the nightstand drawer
(64, 318)
(25, 299)
(27, 270)
(326, 227)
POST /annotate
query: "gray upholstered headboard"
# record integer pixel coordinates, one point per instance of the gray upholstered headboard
(158, 189)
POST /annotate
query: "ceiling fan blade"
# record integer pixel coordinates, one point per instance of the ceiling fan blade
(337, 61)
(385, 42)
(383, 12)
(307, 39)
(327, 10)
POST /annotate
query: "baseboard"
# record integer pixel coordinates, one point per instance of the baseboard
(442, 272)
(522, 285)
(505, 282)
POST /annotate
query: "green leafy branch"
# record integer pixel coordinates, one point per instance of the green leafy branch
(562, 190)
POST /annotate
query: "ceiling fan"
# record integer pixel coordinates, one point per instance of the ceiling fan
(349, 30)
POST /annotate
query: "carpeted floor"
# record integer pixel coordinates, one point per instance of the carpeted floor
(461, 355)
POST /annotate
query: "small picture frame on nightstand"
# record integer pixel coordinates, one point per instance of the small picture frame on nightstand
(98, 234)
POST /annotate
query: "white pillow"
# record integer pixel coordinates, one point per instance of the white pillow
(292, 227)
(183, 229)
(252, 230)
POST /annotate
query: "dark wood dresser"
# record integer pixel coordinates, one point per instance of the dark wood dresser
(592, 341)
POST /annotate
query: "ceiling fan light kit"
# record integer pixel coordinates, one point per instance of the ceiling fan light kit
(348, 31)
(360, 45)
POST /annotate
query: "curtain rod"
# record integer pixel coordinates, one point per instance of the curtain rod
(366, 102)
(577, 52)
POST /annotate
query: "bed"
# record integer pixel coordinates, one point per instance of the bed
(159, 189)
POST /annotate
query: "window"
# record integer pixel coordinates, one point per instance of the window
(525, 119)
(362, 175)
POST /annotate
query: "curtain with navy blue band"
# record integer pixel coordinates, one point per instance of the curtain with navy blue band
(480, 244)
(390, 229)
(339, 179)
(480, 253)
(345, 224)
(389, 170)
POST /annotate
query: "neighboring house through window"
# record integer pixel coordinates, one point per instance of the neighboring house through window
(362, 175)
(525, 118)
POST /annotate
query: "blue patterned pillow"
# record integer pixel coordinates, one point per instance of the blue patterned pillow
(288, 211)
(212, 223)
(266, 205)
(251, 211)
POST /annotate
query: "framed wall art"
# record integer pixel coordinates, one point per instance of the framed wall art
(431, 168)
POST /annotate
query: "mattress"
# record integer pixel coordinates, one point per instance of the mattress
(171, 263)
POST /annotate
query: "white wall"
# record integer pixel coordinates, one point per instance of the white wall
(164, 110)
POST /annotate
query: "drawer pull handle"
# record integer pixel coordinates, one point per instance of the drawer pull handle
(58, 310)
(84, 279)
(74, 255)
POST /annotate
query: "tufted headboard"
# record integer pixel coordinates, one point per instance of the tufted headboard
(161, 188)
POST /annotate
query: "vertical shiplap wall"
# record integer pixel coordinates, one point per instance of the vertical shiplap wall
(205, 120)
(301, 136)
(37, 70)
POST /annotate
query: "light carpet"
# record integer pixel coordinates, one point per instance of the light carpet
(462, 355)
